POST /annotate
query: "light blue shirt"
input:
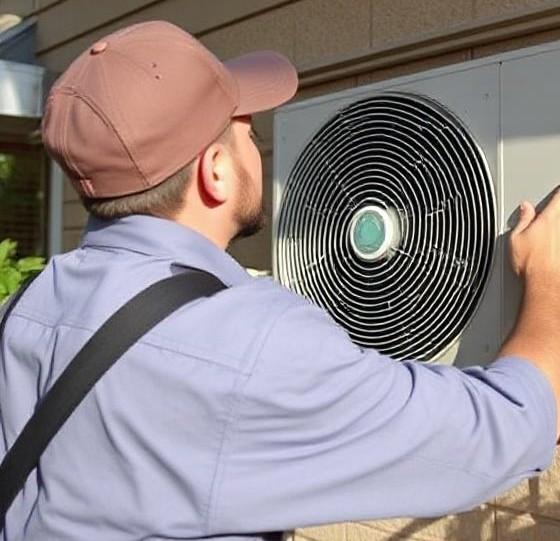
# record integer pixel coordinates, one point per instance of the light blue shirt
(248, 412)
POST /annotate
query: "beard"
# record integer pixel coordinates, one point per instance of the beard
(249, 212)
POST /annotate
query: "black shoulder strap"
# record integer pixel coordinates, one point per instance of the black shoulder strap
(100, 352)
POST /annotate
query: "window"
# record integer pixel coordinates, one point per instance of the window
(23, 197)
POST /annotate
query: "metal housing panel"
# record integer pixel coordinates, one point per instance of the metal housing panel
(511, 104)
(473, 96)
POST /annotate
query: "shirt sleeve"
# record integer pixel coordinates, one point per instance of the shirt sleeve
(326, 431)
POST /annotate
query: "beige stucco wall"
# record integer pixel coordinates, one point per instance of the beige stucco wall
(335, 44)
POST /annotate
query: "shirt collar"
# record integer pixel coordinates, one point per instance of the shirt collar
(164, 238)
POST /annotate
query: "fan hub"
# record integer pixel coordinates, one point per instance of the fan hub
(374, 232)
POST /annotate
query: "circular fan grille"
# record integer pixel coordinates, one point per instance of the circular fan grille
(404, 162)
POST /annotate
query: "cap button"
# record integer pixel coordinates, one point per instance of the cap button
(98, 47)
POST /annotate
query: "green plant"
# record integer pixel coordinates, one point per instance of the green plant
(14, 272)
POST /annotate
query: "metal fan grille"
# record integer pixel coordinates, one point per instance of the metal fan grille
(408, 155)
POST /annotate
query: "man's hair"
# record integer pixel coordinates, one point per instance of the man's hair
(163, 201)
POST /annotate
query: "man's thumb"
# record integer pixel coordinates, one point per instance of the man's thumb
(526, 216)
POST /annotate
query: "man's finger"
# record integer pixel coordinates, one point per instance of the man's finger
(526, 216)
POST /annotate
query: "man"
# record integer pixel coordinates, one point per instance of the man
(249, 412)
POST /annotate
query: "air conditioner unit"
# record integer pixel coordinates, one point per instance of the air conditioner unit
(392, 201)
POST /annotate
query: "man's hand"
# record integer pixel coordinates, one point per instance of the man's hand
(535, 243)
(535, 258)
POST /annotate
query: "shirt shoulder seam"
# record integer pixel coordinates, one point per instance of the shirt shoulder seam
(142, 341)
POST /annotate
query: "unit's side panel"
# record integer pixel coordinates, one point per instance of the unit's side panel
(531, 145)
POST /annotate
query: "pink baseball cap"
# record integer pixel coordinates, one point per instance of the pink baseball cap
(146, 100)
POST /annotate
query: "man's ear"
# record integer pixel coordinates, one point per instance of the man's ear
(213, 173)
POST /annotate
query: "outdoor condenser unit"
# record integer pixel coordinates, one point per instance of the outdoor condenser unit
(392, 200)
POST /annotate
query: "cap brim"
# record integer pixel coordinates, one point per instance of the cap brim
(266, 79)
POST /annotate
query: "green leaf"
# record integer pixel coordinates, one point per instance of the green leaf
(13, 273)
(3, 293)
(30, 264)
(11, 279)
(7, 250)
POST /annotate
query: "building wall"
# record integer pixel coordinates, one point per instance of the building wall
(335, 44)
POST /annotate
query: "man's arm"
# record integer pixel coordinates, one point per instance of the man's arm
(325, 431)
(535, 257)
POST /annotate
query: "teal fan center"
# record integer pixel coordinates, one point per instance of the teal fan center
(369, 233)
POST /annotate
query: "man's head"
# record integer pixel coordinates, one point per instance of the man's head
(224, 181)
(149, 121)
